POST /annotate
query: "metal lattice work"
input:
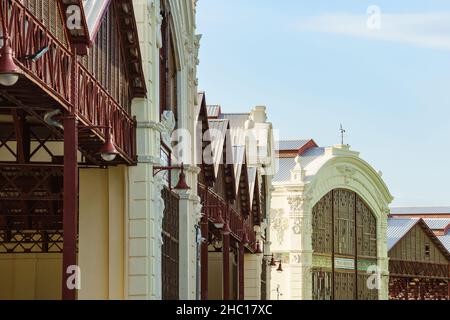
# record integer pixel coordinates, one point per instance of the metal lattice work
(170, 247)
(345, 245)
(405, 288)
(31, 208)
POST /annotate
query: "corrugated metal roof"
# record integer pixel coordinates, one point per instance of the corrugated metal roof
(397, 229)
(438, 223)
(288, 145)
(310, 155)
(420, 210)
(218, 131)
(286, 165)
(237, 120)
(237, 127)
(445, 241)
(213, 111)
(283, 172)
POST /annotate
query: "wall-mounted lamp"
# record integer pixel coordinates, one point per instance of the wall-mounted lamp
(108, 151)
(226, 229)
(245, 240)
(273, 263)
(9, 74)
(182, 185)
(219, 223)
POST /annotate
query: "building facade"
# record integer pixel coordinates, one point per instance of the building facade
(234, 186)
(106, 90)
(328, 222)
(161, 234)
(436, 218)
(71, 73)
(419, 263)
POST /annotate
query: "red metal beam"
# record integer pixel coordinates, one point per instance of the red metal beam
(22, 136)
(70, 206)
(241, 272)
(204, 225)
(70, 214)
(226, 265)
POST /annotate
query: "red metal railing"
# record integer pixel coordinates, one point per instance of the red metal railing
(215, 207)
(54, 73)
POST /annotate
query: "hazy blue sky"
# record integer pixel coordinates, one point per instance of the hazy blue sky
(315, 64)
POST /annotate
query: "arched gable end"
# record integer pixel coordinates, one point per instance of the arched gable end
(354, 174)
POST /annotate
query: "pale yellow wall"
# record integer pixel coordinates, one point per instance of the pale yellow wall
(30, 276)
(93, 239)
(215, 276)
(41, 155)
(252, 276)
(101, 240)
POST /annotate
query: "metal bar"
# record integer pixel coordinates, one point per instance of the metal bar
(22, 136)
(204, 249)
(241, 272)
(332, 248)
(356, 247)
(226, 265)
(70, 203)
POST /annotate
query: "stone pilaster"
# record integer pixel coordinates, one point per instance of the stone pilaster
(301, 247)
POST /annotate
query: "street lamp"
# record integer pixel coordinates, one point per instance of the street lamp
(273, 262)
(219, 223)
(9, 74)
(182, 185)
(8, 69)
(108, 151)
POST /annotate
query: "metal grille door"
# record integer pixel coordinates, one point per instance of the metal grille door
(170, 247)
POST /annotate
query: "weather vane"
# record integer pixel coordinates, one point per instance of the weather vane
(342, 130)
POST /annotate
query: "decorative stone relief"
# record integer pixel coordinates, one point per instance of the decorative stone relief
(295, 258)
(298, 203)
(168, 125)
(297, 227)
(279, 224)
(298, 173)
(159, 205)
(347, 172)
(198, 210)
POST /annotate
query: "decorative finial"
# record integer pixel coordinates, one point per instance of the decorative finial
(343, 131)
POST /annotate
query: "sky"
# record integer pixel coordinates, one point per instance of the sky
(381, 68)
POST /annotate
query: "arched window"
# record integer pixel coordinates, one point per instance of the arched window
(344, 246)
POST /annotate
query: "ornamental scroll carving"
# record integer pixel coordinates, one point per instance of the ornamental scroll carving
(168, 124)
(298, 203)
(160, 206)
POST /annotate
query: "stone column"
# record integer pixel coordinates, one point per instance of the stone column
(188, 245)
(144, 203)
(383, 260)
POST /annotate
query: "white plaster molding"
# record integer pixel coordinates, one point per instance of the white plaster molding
(198, 214)
(298, 173)
(159, 206)
(150, 125)
(279, 223)
(149, 160)
(168, 124)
